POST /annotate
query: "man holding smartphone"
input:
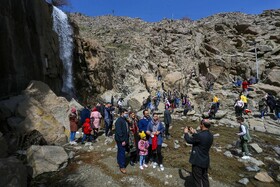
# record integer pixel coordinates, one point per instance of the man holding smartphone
(199, 158)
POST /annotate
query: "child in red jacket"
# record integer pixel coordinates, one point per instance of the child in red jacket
(87, 130)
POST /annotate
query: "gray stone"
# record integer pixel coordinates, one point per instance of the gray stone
(220, 114)
(263, 177)
(253, 168)
(244, 181)
(256, 147)
(46, 158)
(278, 178)
(176, 146)
(277, 150)
(71, 155)
(229, 122)
(164, 145)
(216, 135)
(228, 154)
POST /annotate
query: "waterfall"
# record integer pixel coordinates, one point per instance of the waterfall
(65, 33)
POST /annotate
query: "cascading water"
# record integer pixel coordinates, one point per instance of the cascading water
(65, 33)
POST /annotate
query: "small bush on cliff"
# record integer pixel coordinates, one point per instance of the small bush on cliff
(58, 3)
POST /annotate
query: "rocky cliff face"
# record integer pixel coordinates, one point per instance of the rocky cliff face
(29, 46)
(137, 53)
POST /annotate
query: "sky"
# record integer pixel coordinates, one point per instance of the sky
(156, 10)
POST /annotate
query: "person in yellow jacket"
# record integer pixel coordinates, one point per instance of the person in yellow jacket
(216, 100)
(245, 100)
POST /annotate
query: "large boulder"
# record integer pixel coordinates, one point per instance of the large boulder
(150, 81)
(57, 106)
(273, 77)
(173, 79)
(46, 158)
(41, 119)
(275, 90)
(135, 99)
(12, 172)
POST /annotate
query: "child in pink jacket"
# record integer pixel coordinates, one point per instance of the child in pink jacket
(143, 145)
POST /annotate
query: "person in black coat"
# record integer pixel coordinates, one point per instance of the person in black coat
(122, 139)
(199, 158)
(167, 121)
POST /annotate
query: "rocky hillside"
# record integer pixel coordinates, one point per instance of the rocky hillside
(29, 46)
(126, 54)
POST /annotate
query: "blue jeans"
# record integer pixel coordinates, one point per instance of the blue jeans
(87, 136)
(142, 159)
(262, 113)
(108, 127)
(277, 114)
(72, 136)
(121, 155)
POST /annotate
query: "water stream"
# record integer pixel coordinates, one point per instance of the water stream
(65, 33)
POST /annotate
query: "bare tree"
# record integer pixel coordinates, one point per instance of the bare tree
(58, 3)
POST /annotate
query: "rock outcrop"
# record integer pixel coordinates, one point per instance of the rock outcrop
(37, 117)
(46, 158)
(29, 46)
(164, 55)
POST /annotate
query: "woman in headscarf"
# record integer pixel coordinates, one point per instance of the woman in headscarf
(73, 119)
(95, 117)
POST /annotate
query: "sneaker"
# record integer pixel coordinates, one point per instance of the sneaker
(145, 165)
(141, 167)
(155, 165)
(161, 167)
(245, 157)
(132, 163)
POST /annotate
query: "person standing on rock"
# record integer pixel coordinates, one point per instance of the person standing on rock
(108, 118)
(95, 117)
(262, 107)
(199, 158)
(155, 131)
(120, 105)
(245, 85)
(244, 136)
(239, 107)
(277, 109)
(167, 121)
(216, 100)
(245, 100)
(122, 138)
(270, 101)
(73, 119)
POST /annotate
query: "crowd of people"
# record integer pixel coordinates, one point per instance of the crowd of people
(143, 138)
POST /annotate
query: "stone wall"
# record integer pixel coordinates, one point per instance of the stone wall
(28, 46)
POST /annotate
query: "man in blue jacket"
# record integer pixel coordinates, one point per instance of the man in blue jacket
(121, 137)
(199, 158)
(144, 122)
